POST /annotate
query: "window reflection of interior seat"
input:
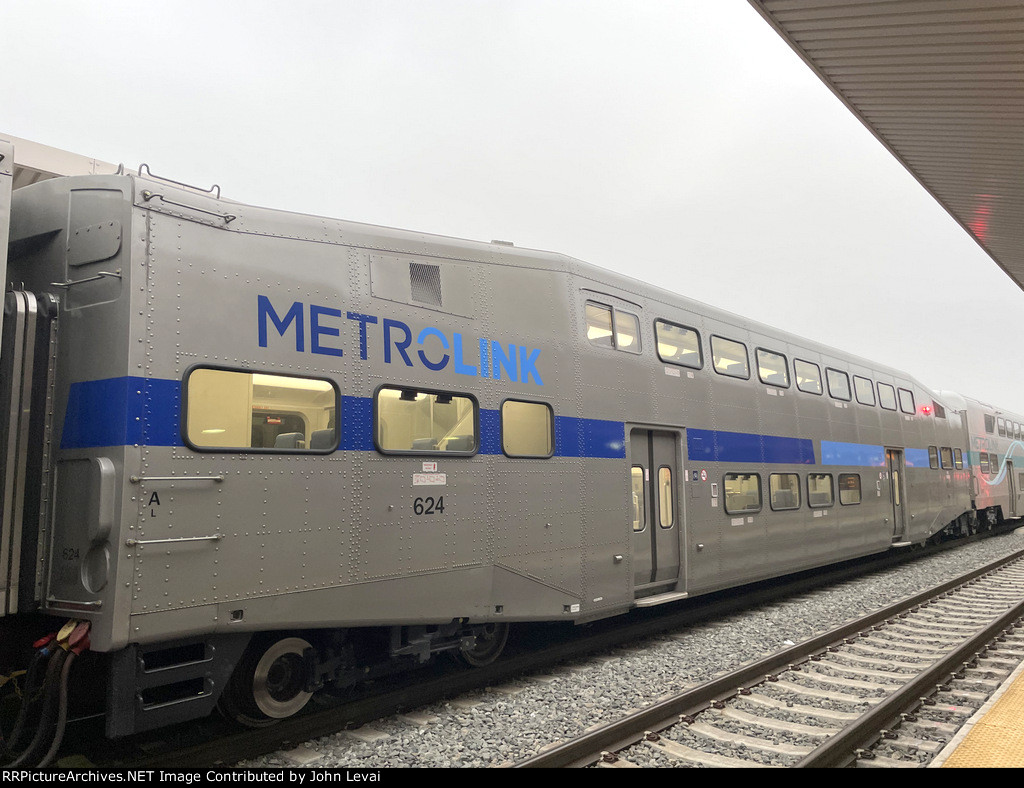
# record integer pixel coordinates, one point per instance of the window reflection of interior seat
(784, 499)
(323, 439)
(424, 444)
(290, 440)
(460, 443)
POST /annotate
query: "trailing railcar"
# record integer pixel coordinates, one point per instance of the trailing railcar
(252, 453)
(996, 459)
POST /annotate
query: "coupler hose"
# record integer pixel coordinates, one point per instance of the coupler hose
(62, 712)
(49, 714)
(10, 744)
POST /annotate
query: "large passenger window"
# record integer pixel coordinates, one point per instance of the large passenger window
(678, 344)
(245, 411)
(527, 429)
(730, 357)
(742, 493)
(425, 422)
(808, 376)
(771, 368)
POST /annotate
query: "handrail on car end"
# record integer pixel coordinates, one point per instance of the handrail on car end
(144, 170)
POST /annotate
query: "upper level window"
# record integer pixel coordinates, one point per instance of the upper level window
(612, 327)
(887, 396)
(990, 424)
(226, 409)
(772, 368)
(730, 357)
(946, 455)
(838, 384)
(940, 412)
(808, 376)
(907, 401)
(958, 459)
(1002, 427)
(678, 344)
(599, 325)
(933, 457)
(425, 422)
(864, 390)
(527, 429)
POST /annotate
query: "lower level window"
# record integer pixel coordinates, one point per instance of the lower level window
(849, 489)
(425, 422)
(784, 490)
(819, 490)
(243, 411)
(742, 493)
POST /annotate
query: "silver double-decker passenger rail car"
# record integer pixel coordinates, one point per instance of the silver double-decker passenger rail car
(247, 454)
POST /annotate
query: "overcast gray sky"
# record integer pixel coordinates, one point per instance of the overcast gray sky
(680, 142)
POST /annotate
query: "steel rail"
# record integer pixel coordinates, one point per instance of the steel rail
(587, 749)
(843, 749)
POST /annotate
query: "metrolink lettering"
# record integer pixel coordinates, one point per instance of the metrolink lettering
(431, 347)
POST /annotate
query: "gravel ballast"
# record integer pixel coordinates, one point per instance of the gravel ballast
(503, 725)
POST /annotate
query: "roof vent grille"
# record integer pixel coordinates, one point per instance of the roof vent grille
(425, 281)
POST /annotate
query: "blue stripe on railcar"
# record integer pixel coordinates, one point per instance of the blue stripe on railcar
(916, 458)
(719, 446)
(836, 453)
(147, 411)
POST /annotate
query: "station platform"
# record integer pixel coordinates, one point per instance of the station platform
(994, 737)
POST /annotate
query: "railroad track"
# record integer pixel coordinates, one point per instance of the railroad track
(213, 742)
(889, 689)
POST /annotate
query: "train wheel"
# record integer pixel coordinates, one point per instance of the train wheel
(268, 683)
(490, 642)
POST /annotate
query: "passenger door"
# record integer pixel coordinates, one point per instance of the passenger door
(894, 462)
(656, 511)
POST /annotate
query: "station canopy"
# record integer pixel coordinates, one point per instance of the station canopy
(940, 83)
